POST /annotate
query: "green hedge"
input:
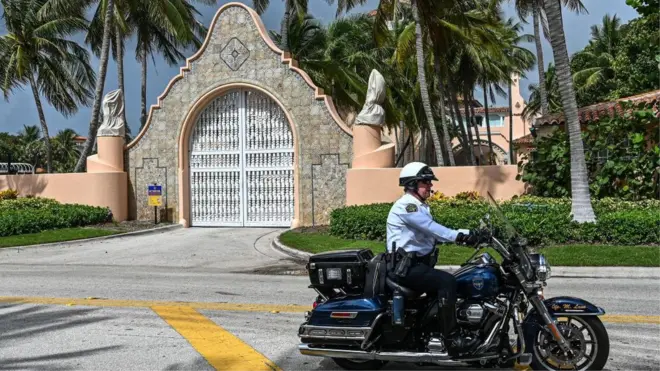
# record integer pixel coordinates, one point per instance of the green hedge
(542, 221)
(32, 215)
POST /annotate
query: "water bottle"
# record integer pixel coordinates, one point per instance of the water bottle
(397, 308)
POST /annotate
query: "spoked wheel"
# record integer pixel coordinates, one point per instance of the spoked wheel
(359, 364)
(586, 337)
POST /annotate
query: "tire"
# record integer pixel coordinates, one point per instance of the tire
(348, 364)
(535, 331)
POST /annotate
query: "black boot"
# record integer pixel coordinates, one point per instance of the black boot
(454, 341)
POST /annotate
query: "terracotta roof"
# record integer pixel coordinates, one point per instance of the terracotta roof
(527, 139)
(595, 111)
(482, 110)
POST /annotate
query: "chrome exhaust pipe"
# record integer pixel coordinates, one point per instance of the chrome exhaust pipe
(441, 358)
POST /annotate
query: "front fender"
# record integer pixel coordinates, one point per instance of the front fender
(568, 305)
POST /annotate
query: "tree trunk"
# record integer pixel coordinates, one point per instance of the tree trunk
(539, 56)
(461, 128)
(581, 200)
(511, 159)
(120, 71)
(421, 77)
(491, 154)
(44, 127)
(468, 128)
(443, 118)
(284, 31)
(476, 130)
(143, 88)
(100, 83)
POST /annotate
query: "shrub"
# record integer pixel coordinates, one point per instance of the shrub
(622, 155)
(32, 215)
(468, 195)
(9, 194)
(542, 221)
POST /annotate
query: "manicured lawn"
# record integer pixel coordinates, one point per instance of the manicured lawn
(569, 255)
(57, 235)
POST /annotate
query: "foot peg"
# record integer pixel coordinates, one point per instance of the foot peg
(525, 359)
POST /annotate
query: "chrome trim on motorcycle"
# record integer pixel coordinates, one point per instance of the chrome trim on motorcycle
(307, 350)
(550, 323)
(365, 344)
(336, 333)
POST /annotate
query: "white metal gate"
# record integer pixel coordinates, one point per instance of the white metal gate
(241, 163)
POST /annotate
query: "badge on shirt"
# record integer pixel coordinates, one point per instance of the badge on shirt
(411, 208)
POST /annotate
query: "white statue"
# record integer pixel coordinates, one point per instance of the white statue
(113, 115)
(372, 112)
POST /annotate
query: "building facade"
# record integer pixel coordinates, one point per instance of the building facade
(241, 137)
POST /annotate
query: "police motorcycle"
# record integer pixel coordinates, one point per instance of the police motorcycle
(362, 319)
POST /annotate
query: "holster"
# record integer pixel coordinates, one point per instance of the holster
(404, 260)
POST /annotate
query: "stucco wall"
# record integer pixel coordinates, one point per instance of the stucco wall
(323, 147)
(367, 186)
(94, 189)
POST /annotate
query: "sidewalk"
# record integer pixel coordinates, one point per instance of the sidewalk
(557, 271)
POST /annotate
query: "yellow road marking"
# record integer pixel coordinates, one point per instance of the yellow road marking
(220, 348)
(624, 318)
(239, 307)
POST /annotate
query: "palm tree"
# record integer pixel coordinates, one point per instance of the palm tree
(35, 51)
(163, 26)
(66, 150)
(535, 7)
(423, 87)
(165, 32)
(533, 107)
(597, 59)
(106, 7)
(581, 200)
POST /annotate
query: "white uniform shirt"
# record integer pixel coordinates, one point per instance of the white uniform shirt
(411, 227)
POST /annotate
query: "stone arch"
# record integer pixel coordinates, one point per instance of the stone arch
(184, 137)
(460, 155)
(238, 52)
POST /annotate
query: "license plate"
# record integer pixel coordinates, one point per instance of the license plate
(334, 273)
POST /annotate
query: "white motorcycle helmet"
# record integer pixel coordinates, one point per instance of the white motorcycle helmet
(413, 172)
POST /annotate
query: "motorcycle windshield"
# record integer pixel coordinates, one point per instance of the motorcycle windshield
(509, 230)
(512, 235)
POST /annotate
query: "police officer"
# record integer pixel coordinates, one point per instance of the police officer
(412, 235)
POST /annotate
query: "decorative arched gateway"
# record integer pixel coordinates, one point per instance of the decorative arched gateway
(461, 154)
(241, 137)
(242, 162)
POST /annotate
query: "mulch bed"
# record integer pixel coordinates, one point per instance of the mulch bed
(129, 226)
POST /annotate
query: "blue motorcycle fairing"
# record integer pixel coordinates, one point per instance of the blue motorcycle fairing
(568, 305)
(365, 310)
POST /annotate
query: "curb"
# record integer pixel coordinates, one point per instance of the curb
(557, 271)
(118, 235)
(297, 255)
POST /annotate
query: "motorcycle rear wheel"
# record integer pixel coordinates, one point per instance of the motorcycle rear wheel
(591, 352)
(348, 364)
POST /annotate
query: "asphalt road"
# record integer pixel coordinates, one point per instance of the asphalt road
(189, 299)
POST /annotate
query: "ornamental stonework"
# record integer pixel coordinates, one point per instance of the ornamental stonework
(237, 53)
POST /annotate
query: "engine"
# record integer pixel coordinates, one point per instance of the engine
(476, 312)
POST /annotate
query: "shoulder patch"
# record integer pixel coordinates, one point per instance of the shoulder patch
(411, 208)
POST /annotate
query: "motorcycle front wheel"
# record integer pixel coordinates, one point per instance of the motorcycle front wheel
(586, 337)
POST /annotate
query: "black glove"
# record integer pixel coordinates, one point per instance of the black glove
(471, 239)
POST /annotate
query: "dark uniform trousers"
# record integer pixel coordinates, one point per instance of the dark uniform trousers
(423, 278)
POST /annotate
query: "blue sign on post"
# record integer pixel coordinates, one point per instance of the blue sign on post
(155, 193)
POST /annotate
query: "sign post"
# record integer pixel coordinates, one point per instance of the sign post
(155, 193)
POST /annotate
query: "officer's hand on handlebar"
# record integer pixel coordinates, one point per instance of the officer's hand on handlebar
(473, 238)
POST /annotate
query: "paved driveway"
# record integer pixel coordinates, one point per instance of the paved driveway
(217, 249)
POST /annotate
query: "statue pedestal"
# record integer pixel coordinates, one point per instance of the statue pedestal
(368, 149)
(110, 156)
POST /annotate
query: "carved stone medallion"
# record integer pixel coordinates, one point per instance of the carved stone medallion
(234, 54)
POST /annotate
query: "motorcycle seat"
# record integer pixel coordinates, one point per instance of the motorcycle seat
(409, 293)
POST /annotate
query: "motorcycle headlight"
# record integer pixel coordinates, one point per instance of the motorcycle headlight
(541, 266)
